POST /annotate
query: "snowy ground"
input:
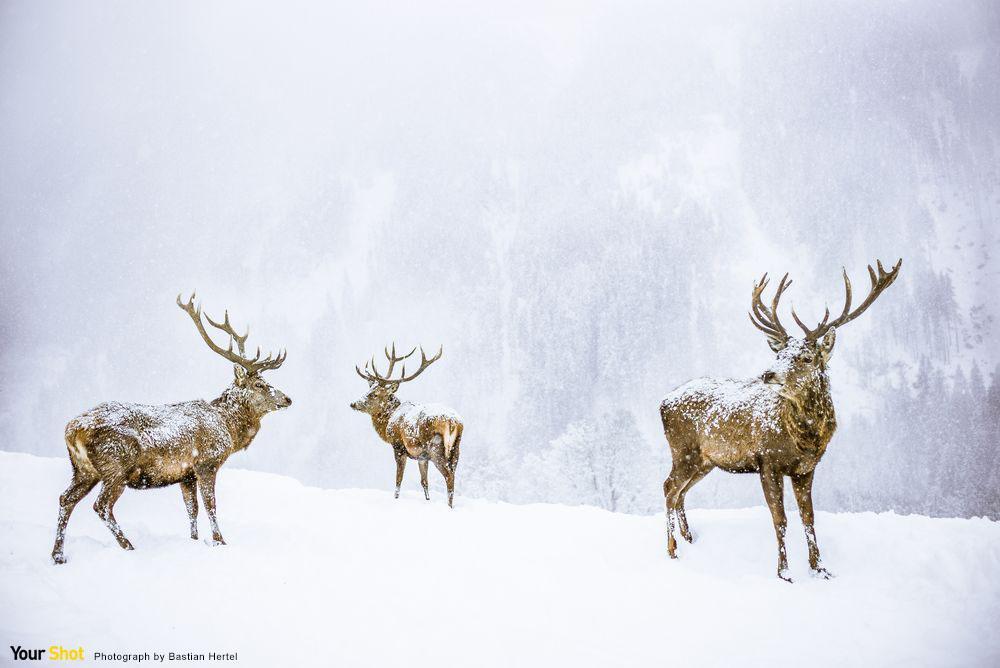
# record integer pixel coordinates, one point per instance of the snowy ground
(351, 577)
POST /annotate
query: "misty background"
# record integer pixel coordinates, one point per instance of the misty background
(573, 198)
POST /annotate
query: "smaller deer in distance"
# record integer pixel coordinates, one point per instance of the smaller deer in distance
(775, 425)
(139, 446)
(424, 432)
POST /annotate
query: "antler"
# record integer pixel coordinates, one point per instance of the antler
(764, 319)
(371, 373)
(879, 281)
(238, 356)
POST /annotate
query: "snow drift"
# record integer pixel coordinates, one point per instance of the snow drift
(353, 577)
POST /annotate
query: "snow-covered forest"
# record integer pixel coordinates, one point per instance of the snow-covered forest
(574, 199)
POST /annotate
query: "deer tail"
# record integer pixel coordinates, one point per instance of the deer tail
(448, 435)
(77, 439)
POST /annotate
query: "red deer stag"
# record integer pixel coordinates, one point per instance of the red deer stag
(775, 425)
(425, 432)
(134, 445)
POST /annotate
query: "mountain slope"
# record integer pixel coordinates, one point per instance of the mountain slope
(353, 577)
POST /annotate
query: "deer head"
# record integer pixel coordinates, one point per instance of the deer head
(800, 359)
(382, 388)
(249, 385)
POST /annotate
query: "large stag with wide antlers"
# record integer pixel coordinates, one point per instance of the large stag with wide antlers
(425, 432)
(134, 445)
(775, 425)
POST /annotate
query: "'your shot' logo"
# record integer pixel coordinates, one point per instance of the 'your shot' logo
(54, 653)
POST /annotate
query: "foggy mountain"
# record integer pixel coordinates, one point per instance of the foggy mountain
(574, 199)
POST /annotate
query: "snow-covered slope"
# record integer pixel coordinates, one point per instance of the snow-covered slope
(353, 577)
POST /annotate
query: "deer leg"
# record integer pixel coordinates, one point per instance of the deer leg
(802, 485)
(670, 488)
(452, 465)
(773, 485)
(423, 477)
(453, 459)
(206, 485)
(400, 455)
(449, 479)
(681, 516)
(77, 489)
(111, 491)
(189, 488)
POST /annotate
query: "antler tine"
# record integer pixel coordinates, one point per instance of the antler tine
(783, 285)
(756, 305)
(390, 354)
(811, 333)
(194, 312)
(848, 293)
(393, 358)
(227, 327)
(365, 374)
(879, 282)
(269, 363)
(760, 326)
(236, 357)
(375, 372)
(767, 320)
(424, 363)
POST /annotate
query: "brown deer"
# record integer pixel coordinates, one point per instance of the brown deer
(775, 425)
(134, 445)
(425, 432)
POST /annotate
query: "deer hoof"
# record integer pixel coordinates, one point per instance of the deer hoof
(688, 537)
(218, 541)
(59, 558)
(822, 573)
(783, 574)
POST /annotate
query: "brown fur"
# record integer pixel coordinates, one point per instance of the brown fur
(134, 445)
(415, 431)
(776, 425)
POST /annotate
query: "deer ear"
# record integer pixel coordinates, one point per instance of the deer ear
(775, 345)
(241, 375)
(826, 344)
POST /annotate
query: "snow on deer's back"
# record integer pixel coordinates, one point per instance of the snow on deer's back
(413, 419)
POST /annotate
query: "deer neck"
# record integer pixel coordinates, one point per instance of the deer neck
(808, 413)
(381, 415)
(240, 419)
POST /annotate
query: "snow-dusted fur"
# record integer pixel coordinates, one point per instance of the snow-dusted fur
(139, 446)
(424, 432)
(776, 425)
(410, 419)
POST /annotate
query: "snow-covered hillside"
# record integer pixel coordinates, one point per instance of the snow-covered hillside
(353, 577)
